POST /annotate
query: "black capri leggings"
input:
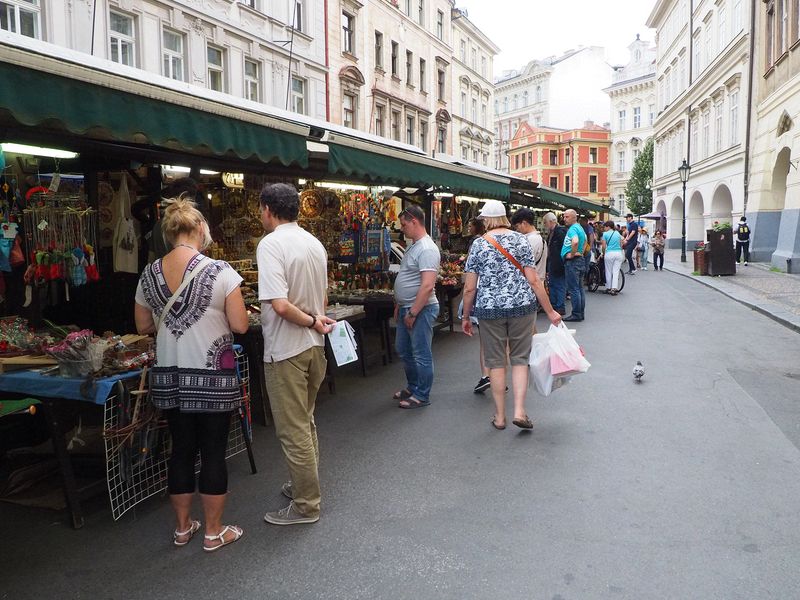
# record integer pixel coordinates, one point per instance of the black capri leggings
(208, 433)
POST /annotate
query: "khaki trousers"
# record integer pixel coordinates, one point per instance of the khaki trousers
(292, 385)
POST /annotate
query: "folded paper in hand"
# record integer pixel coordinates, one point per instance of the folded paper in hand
(343, 343)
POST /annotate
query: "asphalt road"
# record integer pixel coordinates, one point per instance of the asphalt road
(685, 486)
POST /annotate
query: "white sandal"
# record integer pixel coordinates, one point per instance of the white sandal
(195, 525)
(238, 531)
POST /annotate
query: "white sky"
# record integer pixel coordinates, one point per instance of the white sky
(529, 29)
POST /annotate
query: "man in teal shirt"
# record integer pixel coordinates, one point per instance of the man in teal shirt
(574, 264)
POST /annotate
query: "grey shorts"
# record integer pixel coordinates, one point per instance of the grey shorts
(512, 335)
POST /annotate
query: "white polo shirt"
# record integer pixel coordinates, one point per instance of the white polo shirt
(292, 264)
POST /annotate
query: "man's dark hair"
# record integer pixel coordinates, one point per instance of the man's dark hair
(629, 216)
(412, 211)
(282, 200)
(523, 214)
(609, 224)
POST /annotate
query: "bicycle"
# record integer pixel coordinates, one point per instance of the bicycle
(596, 276)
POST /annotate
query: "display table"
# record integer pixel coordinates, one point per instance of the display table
(55, 394)
(446, 294)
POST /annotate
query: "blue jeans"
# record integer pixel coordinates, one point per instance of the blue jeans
(414, 348)
(558, 291)
(575, 270)
(629, 250)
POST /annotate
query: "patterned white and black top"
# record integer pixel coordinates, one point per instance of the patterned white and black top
(503, 291)
(195, 366)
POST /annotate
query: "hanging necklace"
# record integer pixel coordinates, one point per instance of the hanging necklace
(187, 246)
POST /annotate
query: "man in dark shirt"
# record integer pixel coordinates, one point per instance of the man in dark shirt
(556, 277)
(743, 240)
(630, 242)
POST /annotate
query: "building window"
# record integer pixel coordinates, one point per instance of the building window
(722, 27)
(423, 136)
(592, 184)
(23, 17)
(172, 56)
(485, 158)
(538, 93)
(421, 12)
(464, 151)
(736, 17)
(566, 156)
(349, 105)
(422, 86)
(652, 110)
(251, 80)
(553, 157)
(483, 66)
(637, 117)
(695, 125)
(530, 158)
(410, 130)
(216, 69)
(409, 68)
(621, 125)
(734, 118)
(505, 104)
(621, 161)
(298, 95)
(378, 50)
(769, 47)
(122, 37)
(441, 140)
(348, 33)
(463, 48)
(463, 104)
(706, 133)
(395, 57)
(440, 24)
(474, 60)
(636, 154)
(379, 119)
(516, 161)
(483, 115)
(718, 127)
(298, 15)
(554, 182)
(396, 125)
(440, 85)
(475, 156)
(783, 31)
(474, 111)
(566, 183)
(696, 54)
(593, 156)
(709, 43)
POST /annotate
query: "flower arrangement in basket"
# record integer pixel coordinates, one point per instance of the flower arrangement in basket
(451, 269)
(701, 246)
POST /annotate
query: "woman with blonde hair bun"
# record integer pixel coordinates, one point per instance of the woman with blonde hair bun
(194, 379)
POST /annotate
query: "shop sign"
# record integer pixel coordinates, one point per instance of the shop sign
(233, 180)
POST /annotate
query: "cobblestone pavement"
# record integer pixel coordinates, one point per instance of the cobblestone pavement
(773, 293)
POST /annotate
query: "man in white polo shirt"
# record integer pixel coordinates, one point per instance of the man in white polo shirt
(292, 288)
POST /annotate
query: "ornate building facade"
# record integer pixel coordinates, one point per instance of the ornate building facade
(633, 106)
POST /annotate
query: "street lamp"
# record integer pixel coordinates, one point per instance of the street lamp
(683, 171)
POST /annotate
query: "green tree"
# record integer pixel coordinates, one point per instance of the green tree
(639, 183)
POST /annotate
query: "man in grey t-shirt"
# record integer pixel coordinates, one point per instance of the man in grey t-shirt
(416, 309)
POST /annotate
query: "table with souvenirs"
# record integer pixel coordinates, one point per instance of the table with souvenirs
(66, 373)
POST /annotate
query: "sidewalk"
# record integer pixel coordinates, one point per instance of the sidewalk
(774, 294)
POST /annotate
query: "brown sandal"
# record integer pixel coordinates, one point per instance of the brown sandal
(525, 423)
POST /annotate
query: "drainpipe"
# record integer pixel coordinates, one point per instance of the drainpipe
(327, 69)
(750, 78)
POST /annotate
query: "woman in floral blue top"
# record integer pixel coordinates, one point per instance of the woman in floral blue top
(505, 306)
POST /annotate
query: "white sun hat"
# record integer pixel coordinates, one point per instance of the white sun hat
(493, 208)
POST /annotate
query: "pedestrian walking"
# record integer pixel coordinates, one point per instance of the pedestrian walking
(416, 309)
(630, 243)
(588, 229)
(556, 278)
(476, 229)
(292, 287)
(574, 264)
(643, 248)
(743, 240)
(611, 244)
(194, 378)
(524, 221)
(505, 304)
(657, 243)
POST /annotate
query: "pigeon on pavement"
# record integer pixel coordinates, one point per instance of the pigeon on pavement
(638, 372)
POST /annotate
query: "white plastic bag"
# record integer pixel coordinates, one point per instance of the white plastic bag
(550, 353)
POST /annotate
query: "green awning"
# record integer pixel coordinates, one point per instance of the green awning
(37, 98)
(570, 201)
(376, 164)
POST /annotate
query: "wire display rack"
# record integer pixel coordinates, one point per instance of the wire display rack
(138, 445)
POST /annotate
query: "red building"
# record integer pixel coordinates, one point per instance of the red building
(573, 161)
